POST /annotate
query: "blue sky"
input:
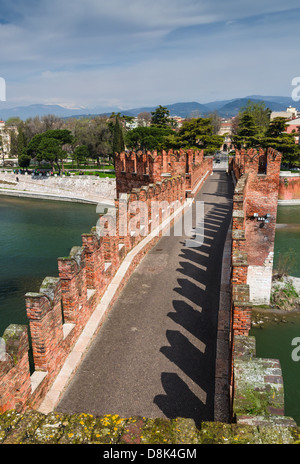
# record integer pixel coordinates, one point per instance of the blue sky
(133, 53)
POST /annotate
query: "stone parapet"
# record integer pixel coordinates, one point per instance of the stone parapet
(33, 427)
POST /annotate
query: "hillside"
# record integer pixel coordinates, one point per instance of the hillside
(225, 108)
(232, 108)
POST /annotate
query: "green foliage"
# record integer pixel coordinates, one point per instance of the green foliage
(255, 130)
(260, 115)
(48, 146)
(24, 159)
(118, 143)
(160, 117)
(197, 133)
(248, 133)
(81, 153)
(277, 138)
(253, 122)
(147, 138)
(285, 296)
(95, 135)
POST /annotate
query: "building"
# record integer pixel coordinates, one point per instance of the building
(290, 113)
(226, 130)
(5, 140)
(293, 126)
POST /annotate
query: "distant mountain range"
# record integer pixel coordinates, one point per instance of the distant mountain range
(225, 108)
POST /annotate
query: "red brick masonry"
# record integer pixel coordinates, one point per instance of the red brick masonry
(256, 192)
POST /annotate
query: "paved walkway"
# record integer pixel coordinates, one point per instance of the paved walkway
(155, 354)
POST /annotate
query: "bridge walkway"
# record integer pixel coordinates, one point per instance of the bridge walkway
(155, 354)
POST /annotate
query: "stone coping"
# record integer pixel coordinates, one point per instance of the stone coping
(34, 427)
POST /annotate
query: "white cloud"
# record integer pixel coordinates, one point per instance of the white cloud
(142, 51)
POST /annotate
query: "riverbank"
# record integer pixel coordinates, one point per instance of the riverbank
(82, 189)
(287, 290)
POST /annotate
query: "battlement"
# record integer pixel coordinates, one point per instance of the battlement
(134, 169)
(257, 162)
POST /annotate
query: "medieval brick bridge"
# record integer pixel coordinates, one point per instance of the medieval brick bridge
(151, 325)
(155, 355)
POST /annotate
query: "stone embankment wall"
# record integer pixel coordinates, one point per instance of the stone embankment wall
(67, 311)
(74, 188)
(257, 384)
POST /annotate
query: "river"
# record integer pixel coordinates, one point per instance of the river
(274, 338)
(34, 233)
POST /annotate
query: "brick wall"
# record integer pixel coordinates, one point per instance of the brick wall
(136, 169)
(253, 232)
(261, 199)
(289, 187)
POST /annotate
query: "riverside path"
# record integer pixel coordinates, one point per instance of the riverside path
(155, 354)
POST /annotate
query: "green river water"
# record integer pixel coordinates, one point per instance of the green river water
(33, 234)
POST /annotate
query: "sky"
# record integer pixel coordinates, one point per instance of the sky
(134, 53)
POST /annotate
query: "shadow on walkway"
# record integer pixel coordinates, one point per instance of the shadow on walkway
(196, 311)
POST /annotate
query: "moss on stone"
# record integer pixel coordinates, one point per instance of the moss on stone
(158, 431)
(258, 387)
(50, 430)
(33, 427)
(214, 433)
(8, 422)
(78, 429)
(25, 429)
(108, 429)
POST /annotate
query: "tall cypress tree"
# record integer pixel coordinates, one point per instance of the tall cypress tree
(118, 144)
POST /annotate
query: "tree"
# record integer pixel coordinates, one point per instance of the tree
(260, 114)
(50, 121)
(95, 134)
(118, 144)
(148, 138)
(250, 125)
(160, 117)
(276, 137)
(49, 146)
(13, 121)
(144, 118)
(276, 127)
(215, 122)
(250, 135)
(81, 154)
(198, 134)
(21, 142)
(24, 159)
(13, 143)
